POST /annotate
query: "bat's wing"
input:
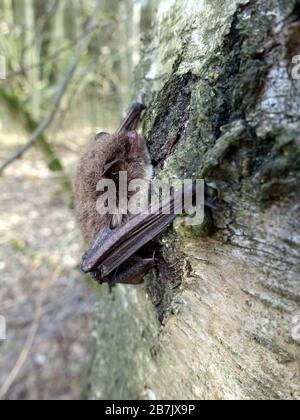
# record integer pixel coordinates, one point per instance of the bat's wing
(114, 247)
(100, 241)
(134, 240)
(132, 118)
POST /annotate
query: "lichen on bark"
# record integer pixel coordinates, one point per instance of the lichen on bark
(223, 106)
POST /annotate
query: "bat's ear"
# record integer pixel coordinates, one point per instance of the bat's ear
(101, 135)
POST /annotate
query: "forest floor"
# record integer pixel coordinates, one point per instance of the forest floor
(47, 302)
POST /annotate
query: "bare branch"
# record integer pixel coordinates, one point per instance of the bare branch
(51, 57)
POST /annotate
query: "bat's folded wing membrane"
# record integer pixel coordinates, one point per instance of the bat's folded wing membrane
(122, 243)
(135, 242)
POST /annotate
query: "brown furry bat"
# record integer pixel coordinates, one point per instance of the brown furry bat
(124, 151)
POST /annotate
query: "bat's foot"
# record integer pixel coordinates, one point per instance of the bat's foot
(114, 281)
(132, 271)
(111, 283)
(97, 276)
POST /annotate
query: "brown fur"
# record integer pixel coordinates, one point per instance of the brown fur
(93, 167)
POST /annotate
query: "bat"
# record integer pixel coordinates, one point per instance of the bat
(116, 240)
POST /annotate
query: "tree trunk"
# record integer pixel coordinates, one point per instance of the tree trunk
(220, 319)
(31, 58)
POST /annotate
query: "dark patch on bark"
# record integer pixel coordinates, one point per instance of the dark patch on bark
(172, 116)
(226, 83)
(164, 281)
(293, 40)
(295, 16)
(242, 70)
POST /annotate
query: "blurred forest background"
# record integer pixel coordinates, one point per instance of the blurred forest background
(70, 68)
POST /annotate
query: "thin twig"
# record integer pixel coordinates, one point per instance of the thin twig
(52, 57)
(59, 95)
(31, 336)
(39, 32)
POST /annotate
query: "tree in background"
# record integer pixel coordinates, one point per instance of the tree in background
(39, 40)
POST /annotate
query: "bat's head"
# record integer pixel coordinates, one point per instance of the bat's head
(121, 152)
(128, 152)
(111, 156)
(124, 151)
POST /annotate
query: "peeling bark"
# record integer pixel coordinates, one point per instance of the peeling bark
(218, 320)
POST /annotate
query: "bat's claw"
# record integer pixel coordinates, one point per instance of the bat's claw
(153, 258)
(85, 259)
(97, 276)
(142, 98)
(212, 206)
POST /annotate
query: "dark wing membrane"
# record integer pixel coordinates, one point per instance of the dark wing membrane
(100, 241)
(138, 239)
(132, 118)
(125, 241)
(97, 253)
